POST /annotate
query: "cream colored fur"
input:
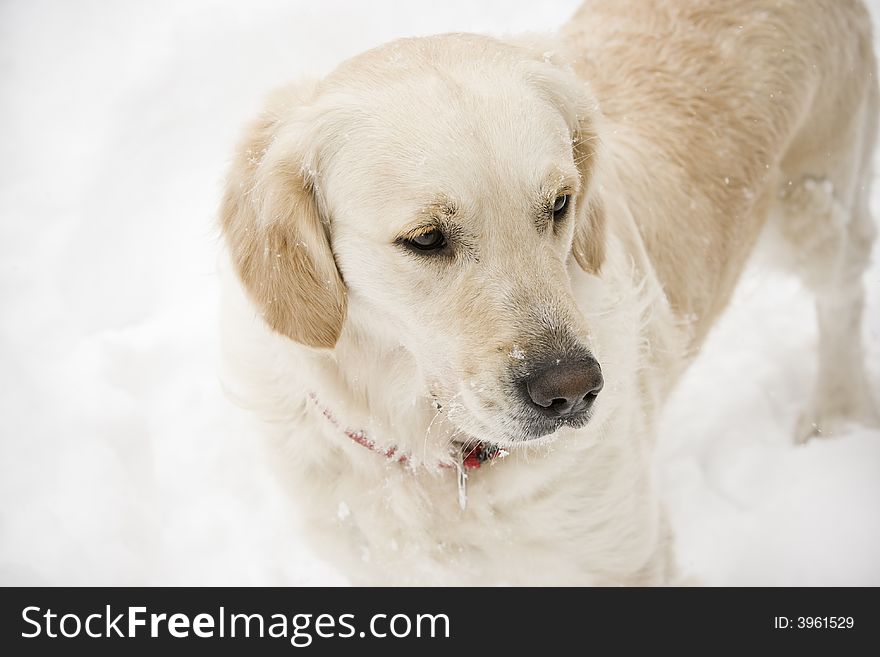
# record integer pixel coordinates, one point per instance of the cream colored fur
(678, 127)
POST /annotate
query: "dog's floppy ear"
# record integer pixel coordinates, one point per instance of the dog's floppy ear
(278, 241)
(588, 246)
(551, 71)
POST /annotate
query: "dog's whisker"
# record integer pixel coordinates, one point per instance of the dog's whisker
(437, 414)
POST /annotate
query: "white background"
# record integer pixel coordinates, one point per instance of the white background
(120, 460)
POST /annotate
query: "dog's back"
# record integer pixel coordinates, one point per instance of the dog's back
(716, 108)
(724, 114)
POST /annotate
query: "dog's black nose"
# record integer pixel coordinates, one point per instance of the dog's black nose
(566, 387)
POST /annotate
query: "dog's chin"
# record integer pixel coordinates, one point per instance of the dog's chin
(517, 433)
(544, 431)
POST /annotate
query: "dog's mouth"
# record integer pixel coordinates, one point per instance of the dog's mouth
(485, 425)
(542, 427)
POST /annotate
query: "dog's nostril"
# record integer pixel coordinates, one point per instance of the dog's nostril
(558, 403)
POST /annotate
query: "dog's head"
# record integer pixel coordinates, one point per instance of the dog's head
(431, 192)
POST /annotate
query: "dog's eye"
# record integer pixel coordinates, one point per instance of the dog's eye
(431, 240)
(560, 205)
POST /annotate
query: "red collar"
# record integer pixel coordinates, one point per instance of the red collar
(471, 455)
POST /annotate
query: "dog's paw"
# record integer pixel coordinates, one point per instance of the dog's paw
(832, 423)
(810, 426)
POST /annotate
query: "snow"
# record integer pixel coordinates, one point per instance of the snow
(122, 461)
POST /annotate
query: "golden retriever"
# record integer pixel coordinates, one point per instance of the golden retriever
(468, 271)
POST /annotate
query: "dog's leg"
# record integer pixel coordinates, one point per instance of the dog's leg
(832, 247)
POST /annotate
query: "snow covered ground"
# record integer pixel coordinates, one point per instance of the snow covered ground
(120, 460)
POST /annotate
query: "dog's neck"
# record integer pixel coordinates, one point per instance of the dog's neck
(377, 388)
